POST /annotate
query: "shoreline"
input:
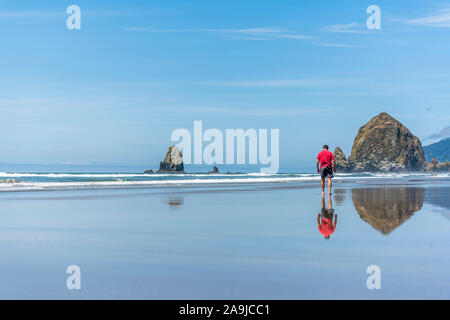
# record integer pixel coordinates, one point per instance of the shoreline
(240, 184)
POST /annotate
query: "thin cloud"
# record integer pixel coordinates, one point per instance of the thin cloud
(153, 30)
(255, 31)
(30, 14)
(21, 101)
(278, 83)
(337, 45)
(260, 33)
(26, 105)
(250, 38)
(45, 14)
(261, 112)
(352, 27)
(294, 36)
(440, 19)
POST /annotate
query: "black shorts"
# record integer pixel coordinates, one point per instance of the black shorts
(326, 172)
(327, 213)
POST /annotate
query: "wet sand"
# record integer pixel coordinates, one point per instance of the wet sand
(253, 241)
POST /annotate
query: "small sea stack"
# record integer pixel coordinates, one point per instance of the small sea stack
(435, 166)
(173, 161)
(215, 170)
(342, 164)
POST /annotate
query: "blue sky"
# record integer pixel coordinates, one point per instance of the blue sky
(113, 92)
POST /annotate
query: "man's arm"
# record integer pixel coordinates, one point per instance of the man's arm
(318, 220)
(317, 165)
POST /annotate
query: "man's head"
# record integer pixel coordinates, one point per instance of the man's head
(325, 146)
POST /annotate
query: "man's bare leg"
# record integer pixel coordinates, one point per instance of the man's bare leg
(330, 203)
(323, 187)
(329, 185)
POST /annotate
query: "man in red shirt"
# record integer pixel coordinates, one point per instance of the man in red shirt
(326, 169)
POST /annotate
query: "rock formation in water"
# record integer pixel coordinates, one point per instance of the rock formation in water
(384, 144)
(436, 166)
(214, 171)
(148, 171)
(173, 161)
(387, 208)
(342, 164)
(10, 181)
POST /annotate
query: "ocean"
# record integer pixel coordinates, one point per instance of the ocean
(22, 181)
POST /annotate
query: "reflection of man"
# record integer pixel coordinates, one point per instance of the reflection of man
(325, 219)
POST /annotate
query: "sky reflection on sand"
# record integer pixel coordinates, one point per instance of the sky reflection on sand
(227, 242)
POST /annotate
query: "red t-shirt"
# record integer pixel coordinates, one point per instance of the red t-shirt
(326, 228)
(325, 158)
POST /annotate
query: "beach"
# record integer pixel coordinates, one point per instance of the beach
(228, 240)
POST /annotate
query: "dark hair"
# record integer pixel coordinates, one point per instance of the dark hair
(325, 146)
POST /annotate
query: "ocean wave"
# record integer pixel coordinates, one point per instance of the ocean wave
(185, 180)
(159, 175)
(120, 175)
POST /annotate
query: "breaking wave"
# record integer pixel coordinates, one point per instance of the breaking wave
(16, 181)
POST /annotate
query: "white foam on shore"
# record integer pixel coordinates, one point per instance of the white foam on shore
(63, 185)
(158, 175)
(119, 175)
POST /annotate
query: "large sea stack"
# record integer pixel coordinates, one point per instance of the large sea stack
(384, 144)
(173, 161)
